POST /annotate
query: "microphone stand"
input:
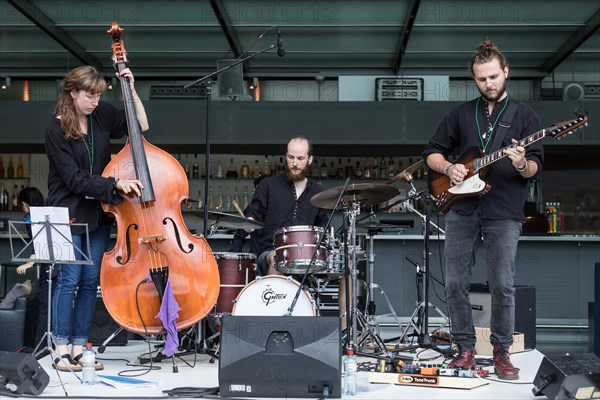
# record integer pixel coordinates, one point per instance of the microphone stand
(317, 249)
(207, 82)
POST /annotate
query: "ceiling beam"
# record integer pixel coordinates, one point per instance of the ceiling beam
(572, 43)
(42, 21)
(225, 23)
(409, 21)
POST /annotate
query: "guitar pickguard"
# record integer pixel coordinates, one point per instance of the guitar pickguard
(471, 186)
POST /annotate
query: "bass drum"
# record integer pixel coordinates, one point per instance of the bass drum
(273, 295)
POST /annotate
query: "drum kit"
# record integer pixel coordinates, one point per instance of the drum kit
(311, 251)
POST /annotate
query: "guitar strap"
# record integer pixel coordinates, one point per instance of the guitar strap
(503, 126)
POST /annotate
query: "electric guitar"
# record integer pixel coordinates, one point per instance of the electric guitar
(446, 193)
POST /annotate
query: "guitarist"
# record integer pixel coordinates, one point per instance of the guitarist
(497, 216)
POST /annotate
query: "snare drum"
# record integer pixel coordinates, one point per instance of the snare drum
(295, 247)
(273, 295)
(236, 271)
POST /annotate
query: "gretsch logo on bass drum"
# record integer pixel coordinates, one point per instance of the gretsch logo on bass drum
(269, 296)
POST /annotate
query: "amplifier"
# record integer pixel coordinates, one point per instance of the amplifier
(569, 376)
(524, 310)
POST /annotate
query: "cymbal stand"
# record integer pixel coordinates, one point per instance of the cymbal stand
(419, 320)
(358, 319)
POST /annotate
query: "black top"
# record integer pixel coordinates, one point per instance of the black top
(70, 183)
(459, 133)
(274, 204)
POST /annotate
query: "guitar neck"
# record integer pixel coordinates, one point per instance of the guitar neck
(491, 158)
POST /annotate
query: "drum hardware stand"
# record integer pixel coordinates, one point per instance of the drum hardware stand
(290, 309)
(48, 226)
(421, 325)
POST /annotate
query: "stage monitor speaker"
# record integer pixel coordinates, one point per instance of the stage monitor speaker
(524, 310)
(570, 376)
(280, 356)
(103, 325)
(23, 372)
(231, 80)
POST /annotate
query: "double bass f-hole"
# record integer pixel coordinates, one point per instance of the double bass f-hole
(152, 239)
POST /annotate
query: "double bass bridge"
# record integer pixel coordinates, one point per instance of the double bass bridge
(152, 239)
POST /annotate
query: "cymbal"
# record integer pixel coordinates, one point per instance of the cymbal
(406, 175)
(365, 193)
(226, 220)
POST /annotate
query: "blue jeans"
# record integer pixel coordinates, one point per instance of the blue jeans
(500, 239)
(74, 298)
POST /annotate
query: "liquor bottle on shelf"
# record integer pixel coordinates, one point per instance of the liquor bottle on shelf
(266, 167)
(374, 169)
(348, 169)
(219, 202)
(195, 171)
(10, 170)
(219, 170)
(3, 198)
(245, 170)
(367, 171)
(211, 199)
(227, 203)
(1, 167)
(15, 199)
(340, 169)
(332, 172)
(391, 168)
(315, 172)
(273, 168)
(199, 201)
(20, 168)
(323, 169)
(358, 171)
(382, 169)
(231, 170)
(245, 198)
(256, 170)
(280, 166)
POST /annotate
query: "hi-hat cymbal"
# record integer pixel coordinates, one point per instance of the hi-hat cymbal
(226, 220)
(366, 194)
(406, 175)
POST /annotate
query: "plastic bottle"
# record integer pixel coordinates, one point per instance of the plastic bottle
(350, 368)
(88, 372)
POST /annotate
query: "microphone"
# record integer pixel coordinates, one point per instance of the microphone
(280, 49)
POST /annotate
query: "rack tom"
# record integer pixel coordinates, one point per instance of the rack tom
(295, 248)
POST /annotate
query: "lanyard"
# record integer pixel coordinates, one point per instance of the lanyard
(482, 136)
(90, 150)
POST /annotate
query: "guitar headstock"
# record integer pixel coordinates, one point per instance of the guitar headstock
(119, 53)
(559, 129)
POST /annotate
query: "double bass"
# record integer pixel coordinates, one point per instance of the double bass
(153, 247)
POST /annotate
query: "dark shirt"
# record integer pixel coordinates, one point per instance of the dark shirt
(70, 183)
(274, 204)
(459, 133)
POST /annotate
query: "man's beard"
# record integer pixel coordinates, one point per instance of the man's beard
(303, 174)
(495, 98)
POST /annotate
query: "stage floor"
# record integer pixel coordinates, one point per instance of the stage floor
(204, 374)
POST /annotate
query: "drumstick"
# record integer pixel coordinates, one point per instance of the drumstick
(237, 208)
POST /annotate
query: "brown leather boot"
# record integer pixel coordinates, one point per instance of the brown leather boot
(502, 365)
(465, 360)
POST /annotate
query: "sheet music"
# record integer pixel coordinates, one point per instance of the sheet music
(60, 232)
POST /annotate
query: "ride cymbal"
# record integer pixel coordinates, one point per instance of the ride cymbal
(366, 194)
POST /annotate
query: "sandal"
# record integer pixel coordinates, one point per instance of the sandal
(97, 365)
(59, 364)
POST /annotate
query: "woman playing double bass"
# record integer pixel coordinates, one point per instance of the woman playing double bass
(78, 149)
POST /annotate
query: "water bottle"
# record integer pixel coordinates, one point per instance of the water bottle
(350, 368)
(88, 372)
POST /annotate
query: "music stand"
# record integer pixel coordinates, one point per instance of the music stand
(45, 237)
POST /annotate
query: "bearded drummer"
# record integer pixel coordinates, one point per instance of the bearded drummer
(284, 201)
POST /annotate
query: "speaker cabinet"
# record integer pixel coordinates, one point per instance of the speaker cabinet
(286, 357)
(24, 372)
(481, 305)
(570, 376)
(103, 326)
(231, 80)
